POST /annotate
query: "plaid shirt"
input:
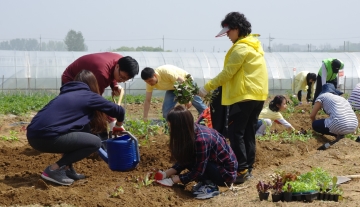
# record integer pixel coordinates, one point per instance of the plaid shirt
(210, 146)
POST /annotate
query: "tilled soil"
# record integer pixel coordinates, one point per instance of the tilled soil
(21, 166)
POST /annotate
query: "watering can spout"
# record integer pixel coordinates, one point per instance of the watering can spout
(103, 154)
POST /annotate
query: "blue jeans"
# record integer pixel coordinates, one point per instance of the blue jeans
(170, 102)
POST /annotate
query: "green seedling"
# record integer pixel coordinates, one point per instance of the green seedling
(117, 191)
(12, 137)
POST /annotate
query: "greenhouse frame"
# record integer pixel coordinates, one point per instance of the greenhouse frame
(42, 70)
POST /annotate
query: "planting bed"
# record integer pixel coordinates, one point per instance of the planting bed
(21, 166)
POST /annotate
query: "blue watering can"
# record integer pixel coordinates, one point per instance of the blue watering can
(121, 153)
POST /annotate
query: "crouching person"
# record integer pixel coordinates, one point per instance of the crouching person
(63, 126)
(342, 119)
(201, 150)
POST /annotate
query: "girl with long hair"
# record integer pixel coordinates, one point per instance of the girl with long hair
(201, 150)
(63, 126)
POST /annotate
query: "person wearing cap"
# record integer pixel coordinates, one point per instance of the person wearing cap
(109, 69)
(342, 119)
(328, 73)
(305, 81)
(164, 78)
(244, 81)
(354, 98)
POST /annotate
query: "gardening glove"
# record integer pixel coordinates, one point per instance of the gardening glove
(202, 92)
(116, 90)
(160, 175)
(118, 129)
(166, 182)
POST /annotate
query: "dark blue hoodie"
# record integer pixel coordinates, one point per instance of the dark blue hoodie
(71, 111)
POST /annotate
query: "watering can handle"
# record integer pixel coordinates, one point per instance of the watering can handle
(136, 144)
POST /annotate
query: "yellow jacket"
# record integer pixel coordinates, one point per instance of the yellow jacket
(300, 83)
(244, 76)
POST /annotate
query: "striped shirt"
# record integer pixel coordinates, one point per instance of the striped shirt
(342, 118)
(210, 146)
(354, 98)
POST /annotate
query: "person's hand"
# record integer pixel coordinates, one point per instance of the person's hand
(116, 90)
(202, 92)
(118, 129)
(188, 105)
(165, 182)
(160, 175)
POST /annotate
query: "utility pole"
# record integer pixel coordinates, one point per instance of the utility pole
(163, 44)
(40, 42)
(270, 39)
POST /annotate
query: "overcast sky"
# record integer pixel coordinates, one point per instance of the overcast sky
(186, 25)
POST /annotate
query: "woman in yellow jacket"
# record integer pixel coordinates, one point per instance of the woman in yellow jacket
(244, 81)
(305, 81)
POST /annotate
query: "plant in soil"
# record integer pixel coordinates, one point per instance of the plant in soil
(116, 192)
(139, 181)
(185, 91)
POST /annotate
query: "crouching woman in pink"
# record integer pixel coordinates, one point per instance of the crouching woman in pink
(201, 150)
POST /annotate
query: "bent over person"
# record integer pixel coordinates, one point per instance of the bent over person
(328, 73)
(203, 151)
(63, 126)
(305, 81)
(164, 78)
(109, 69)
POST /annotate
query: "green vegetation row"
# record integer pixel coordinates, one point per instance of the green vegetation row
(20, 103)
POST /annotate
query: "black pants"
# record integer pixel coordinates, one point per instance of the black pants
(219, 114)
(75, 146)
(319, 86)
(243, 118)
(212, 173)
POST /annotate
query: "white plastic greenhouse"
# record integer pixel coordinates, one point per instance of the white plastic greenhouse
(42, 70)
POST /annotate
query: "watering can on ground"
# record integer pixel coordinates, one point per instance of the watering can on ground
(121, 153)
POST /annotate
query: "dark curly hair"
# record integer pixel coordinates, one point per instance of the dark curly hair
(276, 101)
(236, 20)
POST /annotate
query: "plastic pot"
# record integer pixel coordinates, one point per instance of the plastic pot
(264, 196)
(276, 197)
(287, 196)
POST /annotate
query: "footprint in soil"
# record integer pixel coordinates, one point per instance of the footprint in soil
(40, 184)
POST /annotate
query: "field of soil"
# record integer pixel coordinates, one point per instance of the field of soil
(21, 167)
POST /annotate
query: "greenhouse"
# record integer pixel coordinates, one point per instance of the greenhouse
(42, 70)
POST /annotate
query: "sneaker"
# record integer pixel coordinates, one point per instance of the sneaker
(357, 139)
(57, 176)
(324, 146)
(208, 191)
(242, 176)
(71, 173)
(197, 186)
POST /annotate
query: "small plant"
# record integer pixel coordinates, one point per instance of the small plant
(262, 187)
(278, 185)
(141, 128)
(12, 137)
(117, 191)
(185, 91)
(288, 188)
(210, 97)
(141, 182)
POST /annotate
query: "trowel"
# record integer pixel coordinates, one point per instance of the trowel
(346, 178)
